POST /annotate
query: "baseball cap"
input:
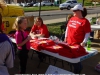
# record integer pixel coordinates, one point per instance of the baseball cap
(77, 7)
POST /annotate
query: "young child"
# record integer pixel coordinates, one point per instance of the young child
(22, 41)
(39, 29)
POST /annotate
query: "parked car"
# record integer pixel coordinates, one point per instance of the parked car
(24, 5)
(68, 4)
(44, 3)
(36, 4)
(17, 4)
(30, 4)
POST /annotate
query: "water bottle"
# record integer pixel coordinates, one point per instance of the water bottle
(89, 44)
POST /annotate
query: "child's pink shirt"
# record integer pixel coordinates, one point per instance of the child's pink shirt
(19, 39)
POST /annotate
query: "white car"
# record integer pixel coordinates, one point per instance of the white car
(24, 5)
(36, 4)
(68, 4)
(44, 3)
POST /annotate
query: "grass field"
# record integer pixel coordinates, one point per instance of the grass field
(43, 8)
(54, 29)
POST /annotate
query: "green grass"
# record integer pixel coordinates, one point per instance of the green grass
(93, 20)
(44, 8)
(87, 2)
(63, 1)
(54, 29)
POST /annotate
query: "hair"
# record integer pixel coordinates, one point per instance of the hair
(69, 16)
(84, 12)
(18, 21)
(38, 18)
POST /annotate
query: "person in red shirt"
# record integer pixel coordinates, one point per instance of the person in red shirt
(39, 29)
(78, 31)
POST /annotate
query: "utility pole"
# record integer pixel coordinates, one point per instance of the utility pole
(40, 9)
(83, 3)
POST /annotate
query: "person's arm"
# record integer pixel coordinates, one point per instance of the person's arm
(87, 35)
(9, 61)
(66, 34)
(32, 34)
(19, 41)
(42, 33)
(87, 30)
(24, 42)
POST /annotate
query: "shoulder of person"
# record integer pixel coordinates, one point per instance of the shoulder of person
(34, 25)
(44, 25)
(18, 32)
(72, 17)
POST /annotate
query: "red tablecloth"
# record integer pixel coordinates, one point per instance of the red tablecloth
(61, 48)
(57, 47)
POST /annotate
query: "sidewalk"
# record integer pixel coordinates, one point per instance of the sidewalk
(64, 19)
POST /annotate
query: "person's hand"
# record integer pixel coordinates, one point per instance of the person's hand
(29, 37)
(83, 44)
(35, 36)
(65, 40)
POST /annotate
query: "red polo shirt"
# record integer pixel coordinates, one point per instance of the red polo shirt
(40, 30)
(77, 28)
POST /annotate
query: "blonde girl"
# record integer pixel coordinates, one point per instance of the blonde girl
(22, 41)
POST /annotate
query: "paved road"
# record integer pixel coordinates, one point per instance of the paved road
(47, 15)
